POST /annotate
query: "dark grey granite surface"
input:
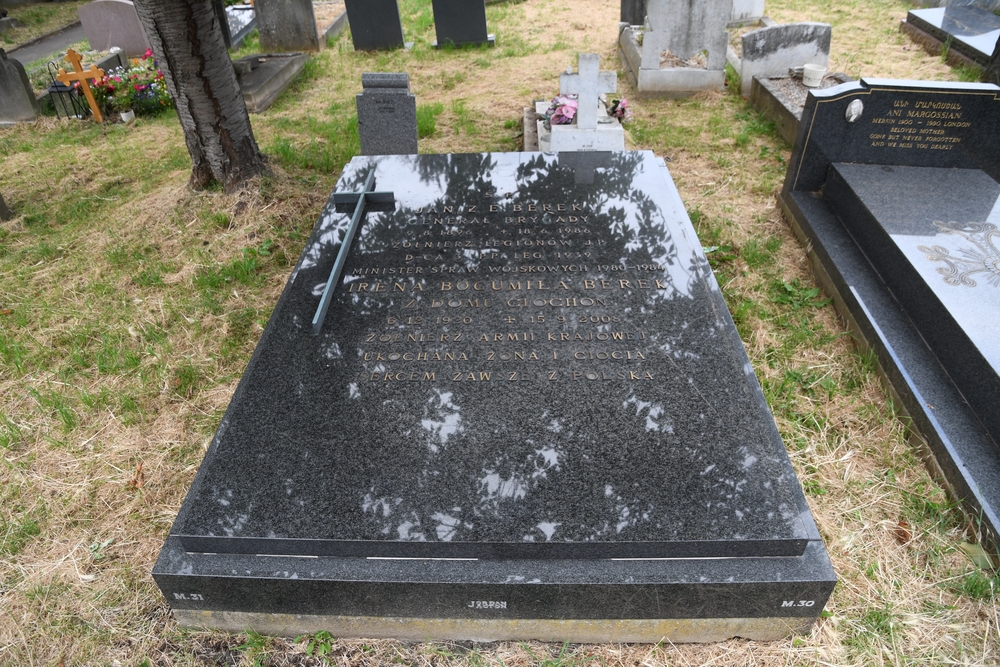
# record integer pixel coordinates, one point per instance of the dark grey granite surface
(788, 587)
(460, 22)
(375, 24)
(931, 234)
(968, 29)
(908, 123)
(516, 365)
(387, 114)
(890, 217)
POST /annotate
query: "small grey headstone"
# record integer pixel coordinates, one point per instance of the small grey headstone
(774, 50)
(387, 114)
(17, 99)
(5, 213)
(287, 25)
(108, 23)
(9, 23)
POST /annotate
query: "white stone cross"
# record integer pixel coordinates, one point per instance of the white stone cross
(587, 85)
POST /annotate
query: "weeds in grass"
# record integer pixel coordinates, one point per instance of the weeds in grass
(427, 119)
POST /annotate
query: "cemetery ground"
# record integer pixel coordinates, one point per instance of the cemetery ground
(131, 304)
(38, 19)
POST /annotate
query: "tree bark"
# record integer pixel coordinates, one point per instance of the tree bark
(188, 44)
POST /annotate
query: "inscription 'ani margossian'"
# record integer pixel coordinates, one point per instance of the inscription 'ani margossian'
(982, 257)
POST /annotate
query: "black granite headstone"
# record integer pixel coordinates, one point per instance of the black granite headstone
(633, 12)
(524, 373)
(375, 24)
(896, 186)
(461, 22)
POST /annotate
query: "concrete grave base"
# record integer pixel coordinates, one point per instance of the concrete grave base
(782, 99)
(270, 77)
(597, 631)
(609, 135)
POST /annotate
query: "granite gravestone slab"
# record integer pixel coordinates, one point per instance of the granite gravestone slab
(108, 23)
(520, 374)
(375, 24)
(387, 114)
(286, 25)
(894, 184)
(683, 47)
(968, 30)
(262, 79)
(461, 22)
(773, 50)
(17, 99)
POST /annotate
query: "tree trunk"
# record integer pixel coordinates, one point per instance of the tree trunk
(187, 40)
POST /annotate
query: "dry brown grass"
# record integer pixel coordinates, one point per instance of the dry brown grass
(72, 277)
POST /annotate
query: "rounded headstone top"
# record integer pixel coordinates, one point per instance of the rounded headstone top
(385, 80)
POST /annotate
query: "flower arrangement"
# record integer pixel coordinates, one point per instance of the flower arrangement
(620, 110)
(562, 111)
(140, 87)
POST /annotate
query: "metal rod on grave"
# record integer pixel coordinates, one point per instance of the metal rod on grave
(345, 246)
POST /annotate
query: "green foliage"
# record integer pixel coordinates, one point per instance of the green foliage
(318, 644)
(797, 296)
(427, 119)
(14, 535)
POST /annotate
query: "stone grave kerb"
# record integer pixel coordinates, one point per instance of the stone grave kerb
(686, 28)
(588, 84)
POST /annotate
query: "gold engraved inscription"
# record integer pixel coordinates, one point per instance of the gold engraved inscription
(919, 125)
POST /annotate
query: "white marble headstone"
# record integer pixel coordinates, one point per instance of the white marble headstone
(686, 28)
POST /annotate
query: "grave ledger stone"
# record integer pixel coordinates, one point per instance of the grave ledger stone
(387, 114)
(526, 414)
(895, 185)
(108, 23)
(17, 99)
(375, 24)
(969, 34)
(461, 22)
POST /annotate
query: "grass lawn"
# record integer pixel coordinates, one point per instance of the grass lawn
(130, 306)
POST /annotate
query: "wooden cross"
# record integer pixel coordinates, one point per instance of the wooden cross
(78, 74)
(587, 85)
